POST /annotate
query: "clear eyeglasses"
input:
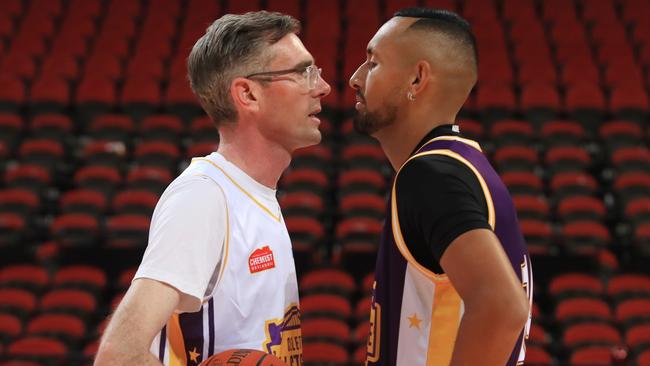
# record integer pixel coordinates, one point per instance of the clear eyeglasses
(310, 73)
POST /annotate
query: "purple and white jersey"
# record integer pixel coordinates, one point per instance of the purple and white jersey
(415, 313)
(253, 302)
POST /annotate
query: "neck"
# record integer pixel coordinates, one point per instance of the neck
(261, 160)
(400, 139)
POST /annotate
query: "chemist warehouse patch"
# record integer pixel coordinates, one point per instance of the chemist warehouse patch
(261, 260)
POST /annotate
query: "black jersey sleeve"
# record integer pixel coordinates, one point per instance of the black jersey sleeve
(438, 199)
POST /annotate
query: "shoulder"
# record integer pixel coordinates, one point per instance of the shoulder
(195, 185)
(192, 192)
(436, 169)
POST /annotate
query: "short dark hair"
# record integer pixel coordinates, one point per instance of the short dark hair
(234, 45)
(445, 21)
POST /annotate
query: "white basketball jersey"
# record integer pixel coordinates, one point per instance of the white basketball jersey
(254, 302)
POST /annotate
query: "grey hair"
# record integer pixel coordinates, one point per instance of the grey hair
(233, 46)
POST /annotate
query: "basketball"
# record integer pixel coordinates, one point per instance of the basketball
(242, 357)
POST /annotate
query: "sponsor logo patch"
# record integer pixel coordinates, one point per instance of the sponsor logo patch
(261, 260)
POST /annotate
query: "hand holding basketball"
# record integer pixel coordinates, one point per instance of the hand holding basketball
(242, 357)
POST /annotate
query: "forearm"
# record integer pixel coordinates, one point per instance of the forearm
(140, 316)
(485, 338)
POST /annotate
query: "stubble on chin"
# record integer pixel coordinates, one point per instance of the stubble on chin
(368, 123)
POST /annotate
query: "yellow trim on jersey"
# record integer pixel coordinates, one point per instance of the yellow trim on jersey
(401, 245)
(469, 142)
(397, 231)
(227, 244)
(258, 203)
(176, 343)
(445, 317)
(486, 190)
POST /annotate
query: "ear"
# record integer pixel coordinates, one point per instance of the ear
(421, 77)
(244, 94)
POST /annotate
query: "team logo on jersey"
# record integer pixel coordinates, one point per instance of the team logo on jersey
(261, 260)
(283, 337)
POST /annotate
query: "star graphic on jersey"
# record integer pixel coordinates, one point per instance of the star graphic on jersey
(194, 355)
(415, 322)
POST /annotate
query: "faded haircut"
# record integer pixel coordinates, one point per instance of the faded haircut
(445, 22)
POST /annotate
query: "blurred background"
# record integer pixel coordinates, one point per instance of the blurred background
(96, 118)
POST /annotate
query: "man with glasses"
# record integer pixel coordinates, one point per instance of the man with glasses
(218, 272)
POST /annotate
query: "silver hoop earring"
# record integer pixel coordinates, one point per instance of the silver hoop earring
(410, 96)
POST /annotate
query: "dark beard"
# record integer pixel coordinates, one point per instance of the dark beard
(368, 123)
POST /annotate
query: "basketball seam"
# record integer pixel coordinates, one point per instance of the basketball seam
(261, 359)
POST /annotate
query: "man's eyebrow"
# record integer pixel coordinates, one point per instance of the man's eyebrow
(303, 64)
(369, 50)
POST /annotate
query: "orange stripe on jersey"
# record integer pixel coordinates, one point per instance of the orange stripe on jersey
(176, 343)
(469, 142)
(445, 317)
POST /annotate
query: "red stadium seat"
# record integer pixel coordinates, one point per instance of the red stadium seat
(28, 176)
(328, 280)
(325, 305)
(522, 182)
(17, 301)
(632, 311)
(102, 178)
(10, 326)
(585, 236)
(149, 178)
(19, 201)
(112, 127)
(75, 229)
(591, 356)
(27, 276)
(157, 153)
(511, 131)
(575, 310)
(127, 231)
(161, 127)
(199, 149)
(305, 232)
(324, 353)
(81, 276)
(73, 301)
(628, 159)
(572, 183)
(625, 286)
(203, 129)
(55, 126)
(515, 158)
(134, 201)
(362, 204)
(38, 346)
(637, 337)
(581, 208)
(305, 179)
(531, 206)
(538, 235)
(562, 132)
(66, 327)
(361, 180)
(301, 203)
(576, 285)
(584, 334)
(324, 329)
(537, 356)
(13, 93)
